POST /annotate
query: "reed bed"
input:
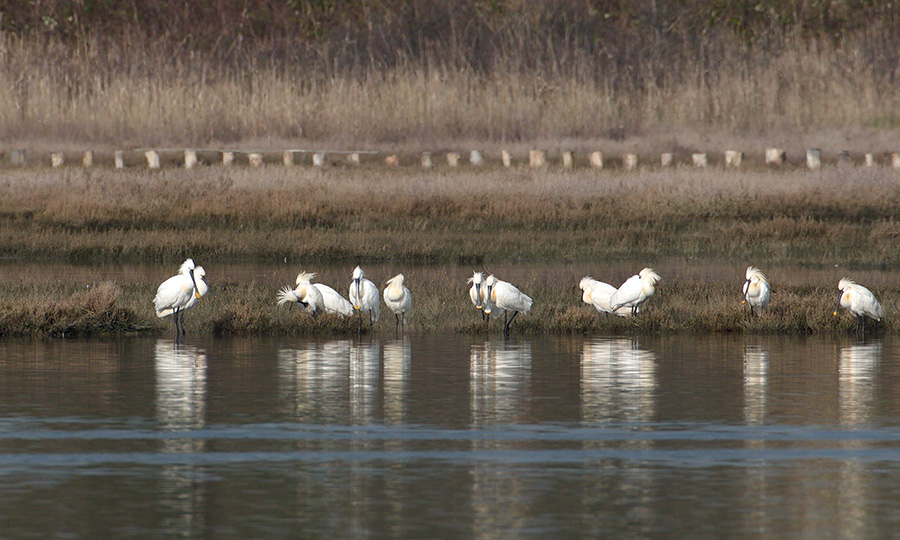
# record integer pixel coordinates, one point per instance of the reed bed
(523, 74)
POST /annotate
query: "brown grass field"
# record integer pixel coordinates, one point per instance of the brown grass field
(436, 226)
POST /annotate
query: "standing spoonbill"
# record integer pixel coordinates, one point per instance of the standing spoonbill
(364, 297)
(180, 293)
(756, 290)
(597, 293)
(475, 292)
(635, 291)
(859, 301)
(506, 297)
(304, 294)
(334, 302)
(398, 299)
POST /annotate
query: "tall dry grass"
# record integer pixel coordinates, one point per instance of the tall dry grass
(136, 93)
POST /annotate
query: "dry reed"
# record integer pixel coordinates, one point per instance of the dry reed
(115, 92)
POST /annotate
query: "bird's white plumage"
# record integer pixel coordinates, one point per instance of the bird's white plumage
(202, 288)
(475, 294)
(859, 300)
(635, 291)
(175, 293)
(756, 290)
(304, 294)
(364, 295)
(398, 298)
(505, 296)
(334, 302)
(597, 293)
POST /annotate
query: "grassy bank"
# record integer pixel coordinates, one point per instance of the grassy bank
(440, 305)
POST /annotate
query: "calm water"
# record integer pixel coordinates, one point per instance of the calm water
(450, 437)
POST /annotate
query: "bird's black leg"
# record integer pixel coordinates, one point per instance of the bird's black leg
(506, 326)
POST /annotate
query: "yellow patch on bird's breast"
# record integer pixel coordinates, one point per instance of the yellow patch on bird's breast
(394, 292)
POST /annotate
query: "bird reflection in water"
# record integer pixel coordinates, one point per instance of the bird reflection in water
(618, 381)
(857, 370)
(181, 408)
(756, 377)
(499, 372)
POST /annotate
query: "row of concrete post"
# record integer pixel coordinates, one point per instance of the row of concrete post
(536, 158)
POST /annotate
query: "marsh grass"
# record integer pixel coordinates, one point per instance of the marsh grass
(64, 312)
(440, 304)
(372, 214)
(415, 221)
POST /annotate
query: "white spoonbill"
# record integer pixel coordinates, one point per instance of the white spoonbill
(475, 292)
(179, 293)
(334, 302)
(304, 294)
(506, 297)
(596, 293)
(202, 288)
(635, 291)
(859, 301)
(398, 299)
(364, 297)
(756, 290)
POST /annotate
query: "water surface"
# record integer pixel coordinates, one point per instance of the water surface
(445, 436)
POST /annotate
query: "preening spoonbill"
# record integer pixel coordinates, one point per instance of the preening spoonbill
(859, 301)
(180, 293)
(364, 297)
(475, 292)
(756, 290)
(398, 300)
(635, 291)
(304, 294)
(506, 297)
(596, 293)
(334, 302)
